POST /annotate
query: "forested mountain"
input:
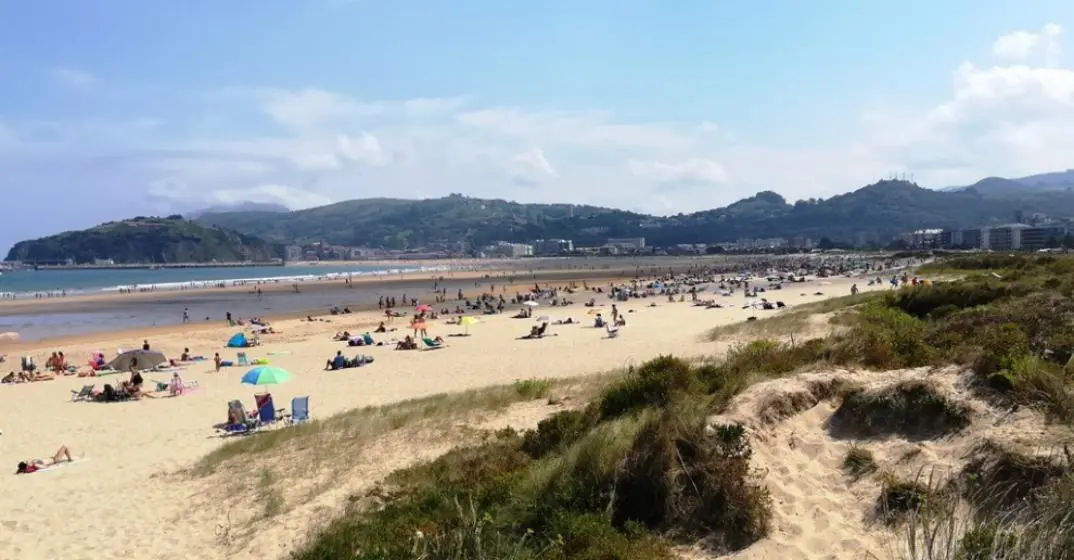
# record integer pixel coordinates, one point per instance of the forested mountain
(147, 240)
(878, 211)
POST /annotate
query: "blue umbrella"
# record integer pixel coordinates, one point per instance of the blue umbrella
(266, 375)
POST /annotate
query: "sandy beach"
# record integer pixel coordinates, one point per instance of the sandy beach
(124, 498)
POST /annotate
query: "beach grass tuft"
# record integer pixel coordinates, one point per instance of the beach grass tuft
(365, 424)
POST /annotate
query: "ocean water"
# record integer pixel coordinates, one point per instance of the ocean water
(78, 281)
(166, 308)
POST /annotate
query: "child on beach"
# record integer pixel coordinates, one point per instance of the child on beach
(217, 361)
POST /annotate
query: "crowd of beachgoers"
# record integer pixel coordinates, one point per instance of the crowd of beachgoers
(412, 344)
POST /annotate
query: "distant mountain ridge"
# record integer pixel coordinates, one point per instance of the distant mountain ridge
(874, 212)
(1054, 181)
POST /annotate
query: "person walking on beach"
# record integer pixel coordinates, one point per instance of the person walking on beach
(186, 315)
(230, 322)
(217, 361)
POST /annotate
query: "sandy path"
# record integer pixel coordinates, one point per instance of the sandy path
(113, 506)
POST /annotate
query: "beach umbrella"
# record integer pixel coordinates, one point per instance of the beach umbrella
(266, 375)
(147, 359)
(466, 322)
(423, 308)
(531, 303)
(9, 337)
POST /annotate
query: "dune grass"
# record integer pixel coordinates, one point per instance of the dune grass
(639, 469)
(365, 424)
(779, 324)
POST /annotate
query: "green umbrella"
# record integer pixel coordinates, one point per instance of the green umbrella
(266, 375)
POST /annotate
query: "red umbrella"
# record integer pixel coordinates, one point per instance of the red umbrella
(422, 308)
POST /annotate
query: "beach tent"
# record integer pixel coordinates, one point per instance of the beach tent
(238, 341)
(147, 359)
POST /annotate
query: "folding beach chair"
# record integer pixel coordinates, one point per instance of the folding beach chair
(266, 409)
(300, 410)
(243, 360)
(85, 394)
(431, 344)
(239, 422)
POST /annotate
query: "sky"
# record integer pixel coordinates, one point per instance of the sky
(115, 108)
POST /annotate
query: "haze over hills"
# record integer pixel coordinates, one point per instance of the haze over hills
(266, 207)
(1054, 181)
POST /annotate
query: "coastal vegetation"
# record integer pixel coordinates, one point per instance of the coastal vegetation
(647, 464)
(147, 240)
(874, 212)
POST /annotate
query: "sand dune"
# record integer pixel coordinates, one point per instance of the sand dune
(820, 512)
(126, 501)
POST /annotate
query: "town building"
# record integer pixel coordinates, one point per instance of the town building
(510, 250)
(553, 247)
(627, 243)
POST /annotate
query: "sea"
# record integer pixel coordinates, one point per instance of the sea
(174, 293)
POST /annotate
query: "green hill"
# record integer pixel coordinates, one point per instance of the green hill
(878, 211)
(400, 224)
(147, 240)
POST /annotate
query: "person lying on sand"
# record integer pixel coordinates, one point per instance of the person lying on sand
(26, 377)
(63, 455)
(407, 344)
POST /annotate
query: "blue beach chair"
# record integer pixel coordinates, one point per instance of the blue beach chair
(266, 409)
(300, 410)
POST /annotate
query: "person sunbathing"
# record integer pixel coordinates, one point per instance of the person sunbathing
(407, 344)
(63, 455)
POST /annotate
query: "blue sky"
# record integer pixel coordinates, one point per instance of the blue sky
(112, 108)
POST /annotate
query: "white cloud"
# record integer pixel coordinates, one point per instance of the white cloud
(308, 108)
(74, 78)
(532, 167)
(1010, 115)
(693, 170)
(1020, 45)
(998, 120)
(365, 148)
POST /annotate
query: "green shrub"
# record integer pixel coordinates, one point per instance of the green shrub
(559, 431)
(679, 478)
(912, 409)
(653, 384)
(1000, 346)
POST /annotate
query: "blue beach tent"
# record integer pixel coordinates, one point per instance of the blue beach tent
(237, 341)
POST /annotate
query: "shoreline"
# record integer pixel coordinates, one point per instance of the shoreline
(363, 314)
(404, 279)
(76, 318)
